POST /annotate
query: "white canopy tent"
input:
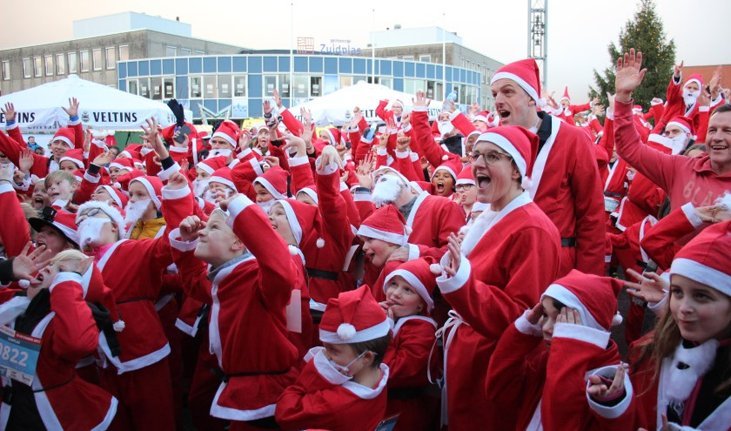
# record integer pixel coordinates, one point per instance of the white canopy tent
(337, 108)
(39, 108)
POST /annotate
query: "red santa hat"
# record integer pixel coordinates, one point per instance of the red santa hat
(466, 176)
(420, 276)
(124, 179)
(66, 136)
(451, 165)
(95, 291)
(565, 93)
(131, 151)
(520, 143)
(212, 164)
(387, 224)
(113, 213)
(397, 102)
(637, 109)
(229, 132)
(122, 163)
(353, 317)
(706, 258)
(310, 191)
(334, 134)
(275, 181)
(75, 156)
(118, 196)
(525, 73)
(304, 222)
(62, 221)
(683, 124)
(138, 164)
(153, 185)
(223, 176)
(383, 170)
(594, 297)
(697, 78)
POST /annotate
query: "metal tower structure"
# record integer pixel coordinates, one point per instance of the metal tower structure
(538, 35)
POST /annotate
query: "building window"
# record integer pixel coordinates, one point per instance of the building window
(123, 52)
(224, 86)
(132, 86)
(27, 68)
(60, 64)
(411, 86)
(6, 70)
(301, 86)
(346, 81)
(73, 63)
(97, 58)
(110, 57)
(407, 57)
(85, 60)
(425, 57)
(270, 84)
(210, 90)
(196, 87)
(37, 66)
(168, 87)
(48, 63)
(144, 87)
(184, 52)
(171, 51)
(156, 87)
(316, 86)
(239, 85)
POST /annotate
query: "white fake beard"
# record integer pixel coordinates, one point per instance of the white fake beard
(387, 190)
(134, 210)
(690, 97)
(266, 206)
(219, 152)
(90, 231)
(200, 187)
(210, 196)
(445, 127)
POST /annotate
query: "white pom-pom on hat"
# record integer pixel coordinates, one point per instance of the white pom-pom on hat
(24, 284)
(436, 268)
(119, 326)
(320, 243)
(617, 319)
(445, 157)
(526, 182)
(346, 331)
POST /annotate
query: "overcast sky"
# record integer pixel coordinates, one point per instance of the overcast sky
(579, 31)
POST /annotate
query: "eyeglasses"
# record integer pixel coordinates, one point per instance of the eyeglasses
(91, 212)
(490, 157)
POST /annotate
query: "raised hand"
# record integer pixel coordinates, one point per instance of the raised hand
(569, 315)
(328, 156)
(383, 140)
(405, 120)
(152, 134)
(678, 70)
(715, 83)
(9, 112)
(420, 99)
(6, 172)
(25, 161)
(272, 161)
(267, 105)
(78, 266)
(651, 287)
(103, 159)
(189, 228)
(602, 389)
(277, 99)
(714, 213)
(177, 181)
(297, 143)
(26, 264)
(73, 109)
(402, 142)
(244, 140)
(629, 75)
(224, 201)
(535, 314)
(455, 255)
(364, 170)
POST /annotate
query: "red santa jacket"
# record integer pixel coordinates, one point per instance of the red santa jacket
(431, 220)
(133, 269)
(68, 334)
(12, 145)
(247, 329)
(525, 372)
(565, 185)
(322, 398)
(14, 229)
(661, 242)
(567, 114)
(495, 283)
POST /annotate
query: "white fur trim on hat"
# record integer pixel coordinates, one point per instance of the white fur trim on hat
(309, 192)
(65, 140)
(680, 126)
(207, 168)
(703, 274)
(270, 188)
(109, 210)
(393, 238)
(518, 80)
(567, 298)
(110, 191)
(444, 168)
(507, 146)
(347, 334)
(294, 223)
(228, 183)
(150, 190)
(225, 137)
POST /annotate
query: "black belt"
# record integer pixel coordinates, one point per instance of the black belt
(568, 242)
(226, 377)
(104, 323)
(325, 275)
(405, 393)
(135, 299)
(7, 391)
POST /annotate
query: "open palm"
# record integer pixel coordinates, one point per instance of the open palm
(629, 74)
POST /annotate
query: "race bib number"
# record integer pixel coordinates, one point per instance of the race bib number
(18, 355)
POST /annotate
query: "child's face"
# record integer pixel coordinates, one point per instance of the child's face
(547, 322)
(101, 195)
(377, 251)
(217, 243)
(404, 300)
(201, 174)
(52, 239)
(262, 194)
(345, 355)
(68, 166)
(700, 312)
(280, 223)
(60, 189)
(115, 172)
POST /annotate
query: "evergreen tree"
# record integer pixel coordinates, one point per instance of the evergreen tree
(644, 33)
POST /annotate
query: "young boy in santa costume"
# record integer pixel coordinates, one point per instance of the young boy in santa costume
(683, 367)
(248, 296)
(342, 386)
(541, 360)
(133, 270)
(408, 305)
